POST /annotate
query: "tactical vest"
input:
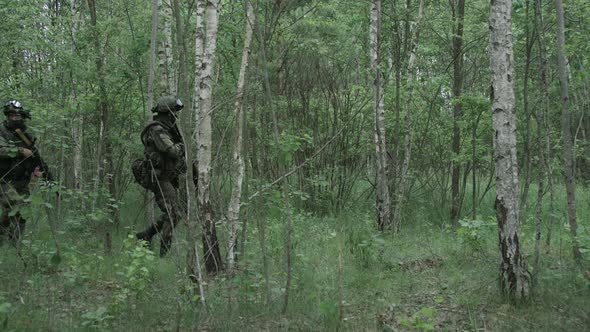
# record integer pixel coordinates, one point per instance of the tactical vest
(155, 164)
(15, 169)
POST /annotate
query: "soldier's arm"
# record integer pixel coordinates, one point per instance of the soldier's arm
(164, 143)
(8, 150)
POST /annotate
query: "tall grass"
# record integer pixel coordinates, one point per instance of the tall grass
(428, 277)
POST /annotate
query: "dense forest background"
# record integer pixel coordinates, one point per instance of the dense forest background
(293, 220)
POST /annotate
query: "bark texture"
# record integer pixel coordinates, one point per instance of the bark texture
(458, 8)
(233, 211)
(566, 127)
(383, 206)
(213, 263)
(514, 277)
(401, 189)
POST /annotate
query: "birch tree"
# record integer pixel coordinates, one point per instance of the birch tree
(212, 257)
(233, 211)
(383, 217)
(192, 255)
(403, 183)
(167, 83)
(514, 277)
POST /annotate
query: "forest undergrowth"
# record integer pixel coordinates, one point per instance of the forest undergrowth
(346, 276)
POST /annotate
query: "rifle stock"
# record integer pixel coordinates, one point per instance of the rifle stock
(36, 156)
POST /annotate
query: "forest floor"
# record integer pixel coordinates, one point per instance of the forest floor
(346, 276)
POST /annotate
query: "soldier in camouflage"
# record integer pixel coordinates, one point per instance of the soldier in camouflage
(18, 162)
(164, 157)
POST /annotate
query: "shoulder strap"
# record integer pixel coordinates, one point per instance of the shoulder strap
(144, 133)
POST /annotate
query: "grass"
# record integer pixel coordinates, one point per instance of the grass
(430, 277)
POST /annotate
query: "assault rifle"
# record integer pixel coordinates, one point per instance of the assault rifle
(37, 159)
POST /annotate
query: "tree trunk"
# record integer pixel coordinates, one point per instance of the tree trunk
(514, 277)
(527, 141)
(103, 150)
(383, 218)
(193, 261)
(166, 64)
(78, 119)
(458, 10)
(542, 117)
(540, 120)
(192, 229)
(233, 211)
(568, 148)
(212, 256)
(148, 201)
(403, 183)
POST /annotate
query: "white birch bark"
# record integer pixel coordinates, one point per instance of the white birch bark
(514, 277)
(199, 45)
(166, 59)
(233, 211)
(382, 199)
(148, 200)
(212, 256)
(403, 184)
(193, 260)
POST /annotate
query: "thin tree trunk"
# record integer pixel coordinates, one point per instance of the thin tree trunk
(148, 195)
(103, 149)
(514, 277)
(233, 211)
(193, 260)
(403, 184)
(527, 141)
(383, 207)
(539, 115)
(166, 65)
(542, 118)
(213, 262)
(78, 120)
(458, 9)
(568, 148)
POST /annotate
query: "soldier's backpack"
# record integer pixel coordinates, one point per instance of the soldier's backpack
(142, 172)
(143, 169)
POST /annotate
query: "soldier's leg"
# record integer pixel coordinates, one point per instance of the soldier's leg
(170, 200)
(5, 204)
(153, 229)
(9, 200)
(18, 222)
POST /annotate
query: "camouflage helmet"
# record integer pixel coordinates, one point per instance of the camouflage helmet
(15, 106)
(168, 104)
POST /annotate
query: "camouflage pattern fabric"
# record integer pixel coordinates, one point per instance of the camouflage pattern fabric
(12, 196)
(15, 176)
(164, 153)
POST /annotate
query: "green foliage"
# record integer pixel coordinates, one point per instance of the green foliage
(423, 320)
(473, 233)
(96, 318)
(137, 262)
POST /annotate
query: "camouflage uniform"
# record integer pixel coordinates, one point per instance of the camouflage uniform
(15, 172)
(165, 160)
